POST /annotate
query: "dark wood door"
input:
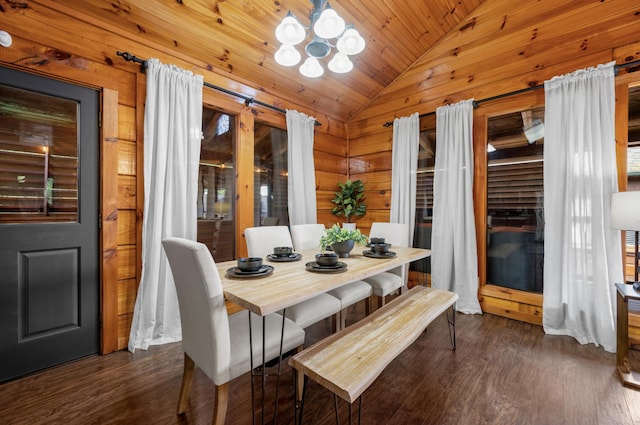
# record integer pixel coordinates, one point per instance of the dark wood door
(49, 258)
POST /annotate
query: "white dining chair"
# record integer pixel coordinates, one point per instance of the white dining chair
(262, 239)
(211, 339)
(307, 236)
(385, 283)
(260, 242)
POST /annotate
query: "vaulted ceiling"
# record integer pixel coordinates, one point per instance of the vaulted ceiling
(236, 38)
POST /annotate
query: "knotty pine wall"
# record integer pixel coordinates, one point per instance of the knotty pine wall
(497, 50)
(63, 44)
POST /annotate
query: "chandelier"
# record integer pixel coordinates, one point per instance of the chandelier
(325, 24)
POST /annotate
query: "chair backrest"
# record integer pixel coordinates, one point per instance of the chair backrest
(397, 234)
(307, 236)
(261, 240)
(394, 233)
(203, 314)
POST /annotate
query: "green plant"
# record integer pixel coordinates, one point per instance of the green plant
(337, 234)
(349, 200)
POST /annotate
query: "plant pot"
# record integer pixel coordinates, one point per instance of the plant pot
(350, 226)
(343, 248)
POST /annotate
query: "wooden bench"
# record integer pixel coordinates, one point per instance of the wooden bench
(347, 362)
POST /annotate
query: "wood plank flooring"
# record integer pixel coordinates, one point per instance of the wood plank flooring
(503, 372)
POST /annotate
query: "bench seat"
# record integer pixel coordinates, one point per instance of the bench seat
(347, 362)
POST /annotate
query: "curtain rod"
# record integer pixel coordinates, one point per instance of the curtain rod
(477, 103)
(248, 101)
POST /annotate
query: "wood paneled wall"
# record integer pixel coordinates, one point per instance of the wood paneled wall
(51, 40)
(496, 50)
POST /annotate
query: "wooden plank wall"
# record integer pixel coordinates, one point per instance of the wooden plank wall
(496, 50)
(51, 40)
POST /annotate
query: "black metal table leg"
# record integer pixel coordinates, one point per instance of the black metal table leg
(452, 326)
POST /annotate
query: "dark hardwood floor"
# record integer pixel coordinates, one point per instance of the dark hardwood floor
(503, 372)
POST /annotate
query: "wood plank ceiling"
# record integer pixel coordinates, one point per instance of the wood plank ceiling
(237, 39)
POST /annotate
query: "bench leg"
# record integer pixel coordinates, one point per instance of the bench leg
(335, 405)
(299, 402)
(452, 326)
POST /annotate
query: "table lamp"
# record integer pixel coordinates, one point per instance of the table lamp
(625, 215)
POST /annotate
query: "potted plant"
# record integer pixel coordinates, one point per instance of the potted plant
(341, 240)
(349, 200)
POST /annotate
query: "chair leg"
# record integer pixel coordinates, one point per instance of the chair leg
(220, 404)
(185, 389)
(343, 318)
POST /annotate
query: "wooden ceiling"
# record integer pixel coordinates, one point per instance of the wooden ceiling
(237, 39)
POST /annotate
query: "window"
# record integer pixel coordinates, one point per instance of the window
(424, 195)
(515, 200)
(270, 176)
(38, 157)
(633, 177)
(216, 185)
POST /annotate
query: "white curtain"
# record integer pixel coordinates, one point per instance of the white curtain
(582, 254)
(302, 176)
(172, 134)
(406, 142)
(454, 259)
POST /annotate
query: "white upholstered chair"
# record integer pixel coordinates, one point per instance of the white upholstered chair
(260, 242)
(385, 283)
(307, 236)
(262, 239)
(211, 339)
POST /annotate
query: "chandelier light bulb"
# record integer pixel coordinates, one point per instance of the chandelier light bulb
(340, 63)
(351, 42)
(329, 25)
(290, 31)
(311, 68)
(287, 55)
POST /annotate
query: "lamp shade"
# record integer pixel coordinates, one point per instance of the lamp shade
(340, 63)
(625, 211)
(290, 31)
(287, 55)
(329, 25)
(311, 68)
(351, 42)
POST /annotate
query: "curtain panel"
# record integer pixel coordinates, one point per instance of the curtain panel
(172, 135)
(404, 160)
(302, 175)
(454, 260)
(582, 258)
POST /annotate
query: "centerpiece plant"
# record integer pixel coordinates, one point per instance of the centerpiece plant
(341, 240)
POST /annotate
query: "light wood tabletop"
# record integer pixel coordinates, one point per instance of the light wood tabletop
(291, 283)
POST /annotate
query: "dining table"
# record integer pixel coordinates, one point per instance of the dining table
(288, 281)
(292, 282)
